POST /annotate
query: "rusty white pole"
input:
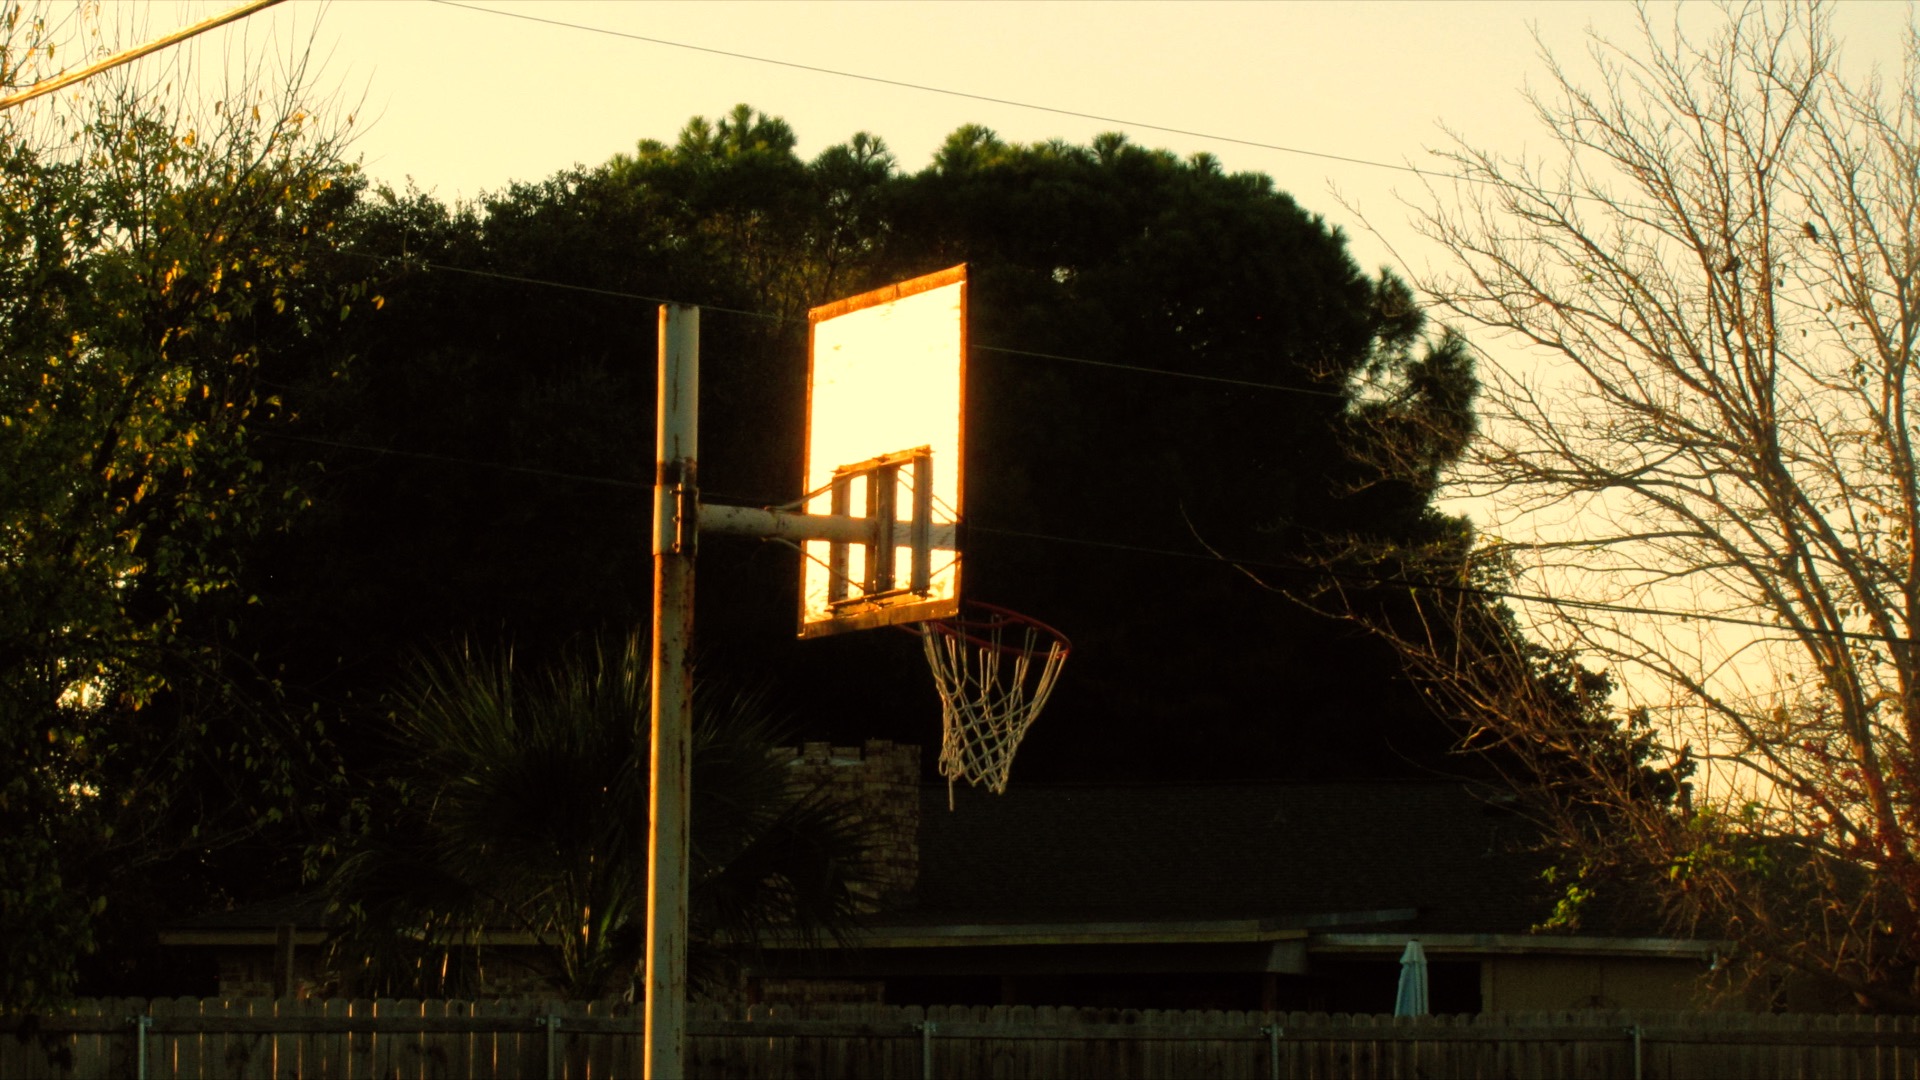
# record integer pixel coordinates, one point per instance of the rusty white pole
(675, 500)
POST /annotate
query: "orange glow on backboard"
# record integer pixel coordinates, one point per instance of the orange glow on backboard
(886, 373)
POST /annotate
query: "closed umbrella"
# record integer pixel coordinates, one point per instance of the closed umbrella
(1412, 998)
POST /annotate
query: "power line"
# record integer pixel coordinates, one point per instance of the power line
(496, 275)
(1208, 556)
(968, 95)
(1163, 371)
(57, 82)
(1242, 564)
(1437, 174)
(447, 459)
(1006, 350)
(1375, 581)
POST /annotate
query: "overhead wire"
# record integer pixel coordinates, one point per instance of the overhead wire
(592, 289)
(1267, 565)
(817, 69)
(1242, 564)
(1002, 349)
(448, 459)
(1235, 140)
(1112, 545)
(949, 92)
(1208, 556)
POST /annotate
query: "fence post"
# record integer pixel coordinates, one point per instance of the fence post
(926, 1049)
(551, 1022)
(141, 1024)
(1273, 1033)
(1635, 1032)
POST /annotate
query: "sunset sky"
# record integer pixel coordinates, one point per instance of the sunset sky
(465, 98)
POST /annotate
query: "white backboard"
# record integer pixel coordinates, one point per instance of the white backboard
(886, 375)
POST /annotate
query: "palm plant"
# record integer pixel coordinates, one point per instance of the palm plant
(517, 802)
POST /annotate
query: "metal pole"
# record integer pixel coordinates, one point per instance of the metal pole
(141, 1025)
(1636, 1051)
(926, 1050)
(675, 499)
(552, 1023)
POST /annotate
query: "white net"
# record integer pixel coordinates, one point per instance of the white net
(994, 671)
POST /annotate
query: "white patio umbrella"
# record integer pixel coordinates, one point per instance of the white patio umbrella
(1412, 998)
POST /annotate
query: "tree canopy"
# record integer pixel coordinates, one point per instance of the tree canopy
(1234, 345)
(1711, 477)
(167, 281)
(516, 800)
(1172, 362)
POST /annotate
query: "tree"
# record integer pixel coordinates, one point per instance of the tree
(161, 281)
(518, 801)
(1110, 252)
(1244, 338)
(1709, 475)
(787, 232)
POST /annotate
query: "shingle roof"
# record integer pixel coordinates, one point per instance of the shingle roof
(1288, 854)
(307, 910)
(1277, 852)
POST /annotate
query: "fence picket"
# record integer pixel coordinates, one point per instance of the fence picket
(1886, 1059)
(292, 1045)
(253, 1051)
(430, 1049)
(191, 1048)
(83, 1048)
(585, 1056)
(213, 1044)
(487, 1051)
(437, 1040)
(112, 1048)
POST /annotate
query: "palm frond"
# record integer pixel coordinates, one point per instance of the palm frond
(521, 799)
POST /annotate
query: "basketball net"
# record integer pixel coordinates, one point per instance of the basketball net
(994, 669)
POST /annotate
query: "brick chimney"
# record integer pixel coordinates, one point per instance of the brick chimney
(881, 782)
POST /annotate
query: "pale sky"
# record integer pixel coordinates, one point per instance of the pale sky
(465, 101)
(465, 97)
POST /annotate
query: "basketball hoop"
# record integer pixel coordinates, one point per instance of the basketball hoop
(994, 669)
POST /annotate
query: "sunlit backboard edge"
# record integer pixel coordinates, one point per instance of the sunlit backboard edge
(891, 611)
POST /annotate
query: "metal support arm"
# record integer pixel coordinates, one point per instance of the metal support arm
(788, 525)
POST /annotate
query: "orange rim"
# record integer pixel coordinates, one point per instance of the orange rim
(978, 618)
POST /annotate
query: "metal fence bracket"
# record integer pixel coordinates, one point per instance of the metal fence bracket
(141, 1025)
(925, 1028)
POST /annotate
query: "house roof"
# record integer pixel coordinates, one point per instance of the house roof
(306, 910)
(1238, 861)
(1436, 857)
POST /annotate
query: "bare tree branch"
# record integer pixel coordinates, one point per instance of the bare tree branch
(1718, 269)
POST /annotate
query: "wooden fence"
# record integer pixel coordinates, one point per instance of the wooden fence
(363, 1040)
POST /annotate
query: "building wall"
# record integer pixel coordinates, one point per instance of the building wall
(1555, 983)
(260, 972)
(881, 781)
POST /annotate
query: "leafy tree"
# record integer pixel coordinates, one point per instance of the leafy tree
(1110, 252)
(511, 422)
(1128, 256)
(518, 801)
(1548, 729)
(162, 279)
(790, 233)
(1718, 270)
